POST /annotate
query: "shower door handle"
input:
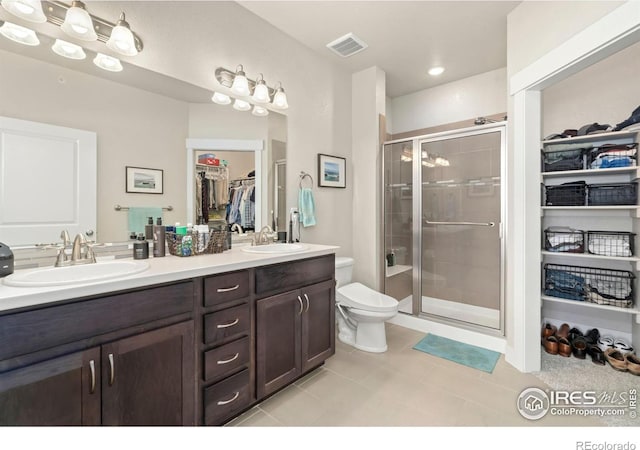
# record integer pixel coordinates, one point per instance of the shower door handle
(474, 224)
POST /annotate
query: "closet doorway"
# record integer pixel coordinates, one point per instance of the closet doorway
(443, 209)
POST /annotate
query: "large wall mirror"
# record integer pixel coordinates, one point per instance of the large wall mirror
(141, 119)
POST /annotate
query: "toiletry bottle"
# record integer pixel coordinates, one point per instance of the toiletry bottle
(158, 239)
(148, 230)
(141, 248)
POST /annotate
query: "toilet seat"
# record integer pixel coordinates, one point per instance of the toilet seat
(357, 295)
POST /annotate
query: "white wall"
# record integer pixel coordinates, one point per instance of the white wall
(480, 95)
(134, 128)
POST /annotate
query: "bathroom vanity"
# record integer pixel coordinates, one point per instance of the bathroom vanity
(190, 341)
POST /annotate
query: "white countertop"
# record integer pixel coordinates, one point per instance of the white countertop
(161, 270)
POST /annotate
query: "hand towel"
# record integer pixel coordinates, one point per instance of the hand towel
(306, 207)
(139, 217)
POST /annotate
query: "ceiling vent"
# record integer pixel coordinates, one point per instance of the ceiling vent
(347, 45)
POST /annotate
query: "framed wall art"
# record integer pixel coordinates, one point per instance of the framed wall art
(332, 171)
(144, 181)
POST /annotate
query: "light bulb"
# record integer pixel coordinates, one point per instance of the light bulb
(260, 91)
(121, 39)
(220, 99)
(68, 50)
(240, 83)
(19, 34)
(280, 99)
(241, 105)
(260, 111)
(107, 62)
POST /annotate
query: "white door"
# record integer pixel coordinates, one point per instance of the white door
(47, 182)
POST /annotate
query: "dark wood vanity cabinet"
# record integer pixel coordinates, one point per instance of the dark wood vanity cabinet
(138, 375)
(295, 329)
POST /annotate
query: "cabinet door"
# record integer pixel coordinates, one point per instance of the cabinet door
(318, 324)
(61, 391)
(148, 379)
(278, 330)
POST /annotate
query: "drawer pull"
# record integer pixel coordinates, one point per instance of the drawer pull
(232, 399)
(227, 325)
(227, 361)
(92, 366)
(233, 288)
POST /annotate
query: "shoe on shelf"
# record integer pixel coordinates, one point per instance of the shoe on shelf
(592, 336)
(551, 345)
(574, 333)
(605, 342)
(563, 331)
(548, 330)
(633, 363)
(616, 359)
(622, 345)
(564, 346)
(579, 347)
(597, 355)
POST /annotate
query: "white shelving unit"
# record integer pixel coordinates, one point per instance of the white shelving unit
(595, 218)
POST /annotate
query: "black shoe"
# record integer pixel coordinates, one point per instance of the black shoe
(592, 336)
(597, 355)
(574, 333)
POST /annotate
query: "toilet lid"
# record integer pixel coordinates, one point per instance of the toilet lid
(359, 296)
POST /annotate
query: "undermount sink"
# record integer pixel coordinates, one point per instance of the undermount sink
(58, 276)
(275, 248)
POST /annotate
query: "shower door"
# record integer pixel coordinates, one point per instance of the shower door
(461, 222)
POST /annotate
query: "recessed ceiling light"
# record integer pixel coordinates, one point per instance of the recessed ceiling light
(435, 71)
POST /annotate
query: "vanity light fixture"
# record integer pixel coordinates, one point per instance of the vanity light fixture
(260, 92)
(78, 23)
(241, 105)
(121, 40)
(68, 50)
(220, 98)
(107, 62)
(30, 10)
(19, 34)
(260, 111)
(240, 83)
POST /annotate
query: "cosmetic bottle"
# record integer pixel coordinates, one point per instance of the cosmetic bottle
(158, 239)
(141, 248)
(148, 229)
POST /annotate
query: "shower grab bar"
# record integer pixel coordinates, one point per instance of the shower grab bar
(476, 224)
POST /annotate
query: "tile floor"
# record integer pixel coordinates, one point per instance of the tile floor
(400, 388)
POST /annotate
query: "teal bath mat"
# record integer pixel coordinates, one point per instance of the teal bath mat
(465, 354)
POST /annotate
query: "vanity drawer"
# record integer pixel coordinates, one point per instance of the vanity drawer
(226, 287)
(227, 324)
(279, 278)
(225, 359)
(226, 398)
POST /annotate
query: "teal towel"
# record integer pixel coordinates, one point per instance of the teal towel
(306, 207)
(139, 216)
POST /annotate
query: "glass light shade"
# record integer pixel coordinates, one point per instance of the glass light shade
(260, 111)
(78, 23)
(68, 50)
(240, 83)
(19, 34)
(30, 10)
(280, 99)
(220, 99)
(261, 92)
(107, 62)
(121, 39)
(241, 105)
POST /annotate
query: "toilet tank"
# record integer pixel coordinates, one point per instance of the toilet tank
(344, 270)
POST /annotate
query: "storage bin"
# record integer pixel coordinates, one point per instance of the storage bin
(611, 243)
(612, 155)
(612, 194)
(567, 194)
(564, 240)
(189, 244)
(590, 284)
(558, 160)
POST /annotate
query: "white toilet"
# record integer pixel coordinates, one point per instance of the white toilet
(361, 311)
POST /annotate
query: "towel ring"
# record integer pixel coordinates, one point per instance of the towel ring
(304, 175)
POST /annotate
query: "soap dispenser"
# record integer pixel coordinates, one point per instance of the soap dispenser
(158, 239)
(148, 230)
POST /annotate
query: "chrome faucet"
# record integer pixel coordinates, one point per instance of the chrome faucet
(76, 252)
(237, 227)
(262, 236)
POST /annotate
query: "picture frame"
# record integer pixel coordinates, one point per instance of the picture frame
(332, 171)
(143, 180)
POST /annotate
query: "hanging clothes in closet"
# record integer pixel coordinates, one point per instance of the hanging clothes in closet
(241, 208)
(212, 194)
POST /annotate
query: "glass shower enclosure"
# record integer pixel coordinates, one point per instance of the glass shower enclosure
(443, 216)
